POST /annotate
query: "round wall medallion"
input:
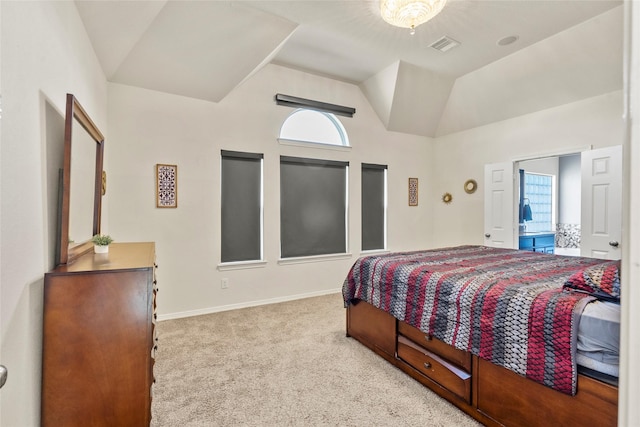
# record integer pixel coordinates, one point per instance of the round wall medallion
(470, 186)
(447, 198)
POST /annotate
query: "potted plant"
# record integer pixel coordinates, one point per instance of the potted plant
(101, 243)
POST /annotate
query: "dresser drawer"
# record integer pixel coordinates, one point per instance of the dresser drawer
(459, 357)
(439, 370)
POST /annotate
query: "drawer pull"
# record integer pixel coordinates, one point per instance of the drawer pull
(427, 365)
(427, 337)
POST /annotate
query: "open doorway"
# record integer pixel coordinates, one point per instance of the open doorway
(599, 201)
(549, 204)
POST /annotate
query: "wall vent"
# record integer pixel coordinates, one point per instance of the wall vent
(444, 44)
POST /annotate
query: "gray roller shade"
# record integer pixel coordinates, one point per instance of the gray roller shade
(312, 207)
(241, 231)
(373, 206)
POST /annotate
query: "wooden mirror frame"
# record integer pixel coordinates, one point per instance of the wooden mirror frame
(75, 112)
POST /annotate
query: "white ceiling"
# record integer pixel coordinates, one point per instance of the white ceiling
(204, 49)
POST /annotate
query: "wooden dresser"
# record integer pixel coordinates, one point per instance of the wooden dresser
(99, 339)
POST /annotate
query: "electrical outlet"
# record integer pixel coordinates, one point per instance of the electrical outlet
(224, 283)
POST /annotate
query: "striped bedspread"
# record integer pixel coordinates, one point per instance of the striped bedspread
(503, 305)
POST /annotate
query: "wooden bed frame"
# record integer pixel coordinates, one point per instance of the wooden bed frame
(491, 394)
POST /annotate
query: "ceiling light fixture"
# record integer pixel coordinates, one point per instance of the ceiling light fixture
(410, 13)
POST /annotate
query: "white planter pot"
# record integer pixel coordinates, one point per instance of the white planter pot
(100, 249)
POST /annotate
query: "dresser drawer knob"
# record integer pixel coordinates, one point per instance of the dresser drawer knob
(427, 365)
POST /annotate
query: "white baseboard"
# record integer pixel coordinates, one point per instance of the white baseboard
(210, 310)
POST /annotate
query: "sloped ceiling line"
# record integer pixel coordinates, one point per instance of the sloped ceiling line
(201, 49)
(205, 49)
(570, 66)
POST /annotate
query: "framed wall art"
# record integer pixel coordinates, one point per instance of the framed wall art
(413, 191)
(166, 186)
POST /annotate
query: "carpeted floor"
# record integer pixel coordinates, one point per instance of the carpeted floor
(287, 364)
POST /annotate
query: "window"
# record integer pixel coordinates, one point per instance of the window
(313, 207)
(314, 127)
(374, 206)
(538, 192)
(241, 233)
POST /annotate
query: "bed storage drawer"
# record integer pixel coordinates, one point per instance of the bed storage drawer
(438, 369)
(514, 400)
(459, 357)
(373, 327)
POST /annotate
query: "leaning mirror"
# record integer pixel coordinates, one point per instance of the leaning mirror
(81, 182)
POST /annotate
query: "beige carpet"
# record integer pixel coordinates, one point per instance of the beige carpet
(287, 364)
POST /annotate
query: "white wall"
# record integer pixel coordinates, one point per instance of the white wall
(569, 190)
(148, 127)
(460, 156)
(545, 166)
(45, 54)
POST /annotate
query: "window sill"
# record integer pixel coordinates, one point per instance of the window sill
(374, 252)
(309, 144)
(314, 258)
(241, 265)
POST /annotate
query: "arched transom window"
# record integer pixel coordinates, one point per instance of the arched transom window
(313, 126)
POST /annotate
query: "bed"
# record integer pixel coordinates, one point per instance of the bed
(505, 335)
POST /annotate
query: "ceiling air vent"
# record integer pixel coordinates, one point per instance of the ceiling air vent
(444, 44)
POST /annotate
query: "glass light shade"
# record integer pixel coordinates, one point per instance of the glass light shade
(410, 13)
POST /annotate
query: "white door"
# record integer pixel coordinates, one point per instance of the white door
(499, 211)
(601, 222)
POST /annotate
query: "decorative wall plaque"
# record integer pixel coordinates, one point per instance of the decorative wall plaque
(470, 186)
(413, 191)
(166, 186)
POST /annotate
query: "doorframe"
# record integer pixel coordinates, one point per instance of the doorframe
(554, 153)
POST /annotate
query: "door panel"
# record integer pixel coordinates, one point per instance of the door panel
(498, 205)
(601, 203)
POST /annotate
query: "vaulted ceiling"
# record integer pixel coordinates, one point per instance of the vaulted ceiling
(565, 51)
